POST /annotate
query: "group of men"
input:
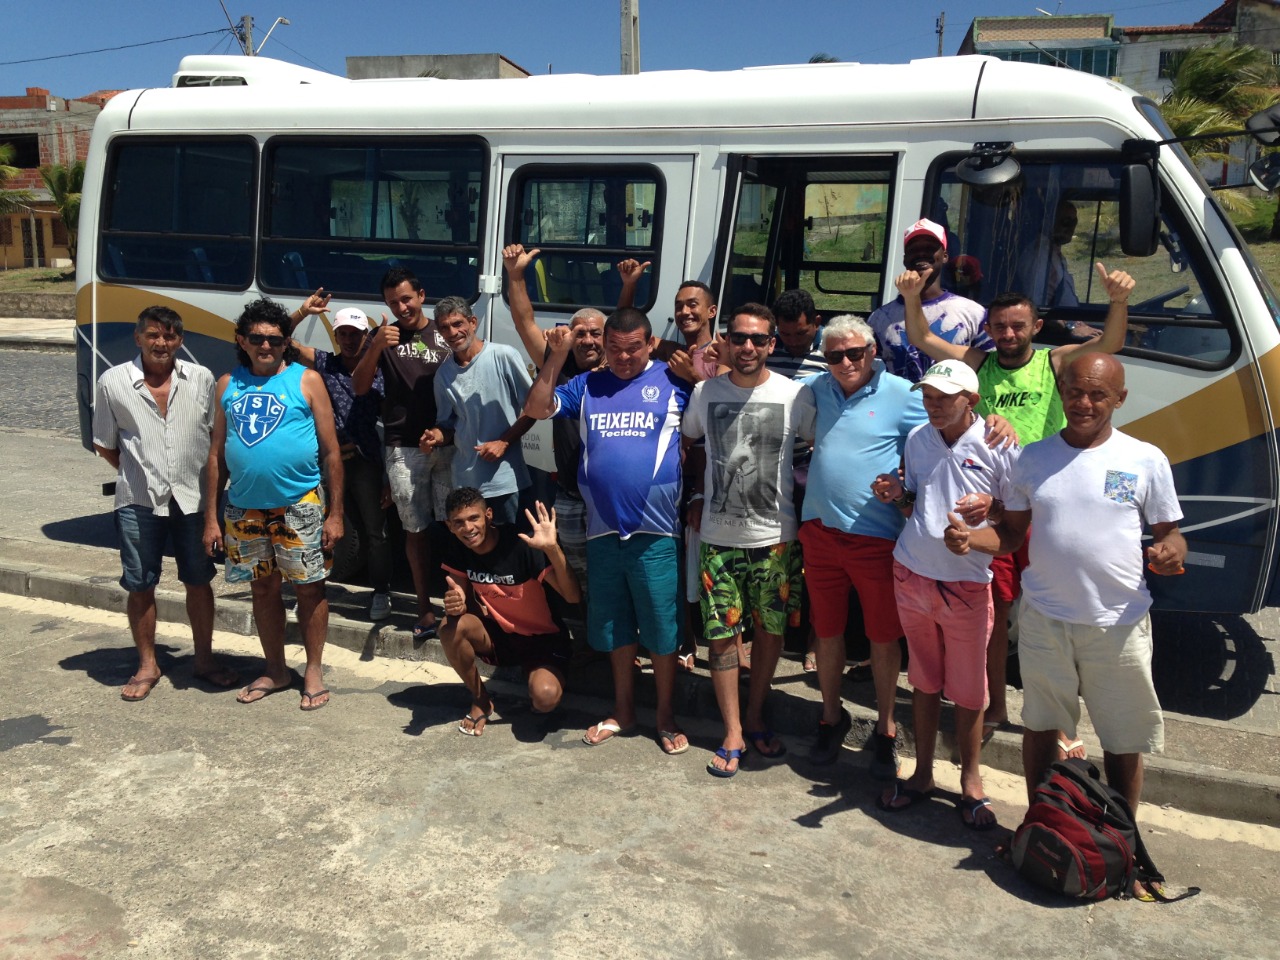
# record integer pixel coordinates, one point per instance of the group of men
(807, 465)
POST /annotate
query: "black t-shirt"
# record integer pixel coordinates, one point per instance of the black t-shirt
(409, 371)
(508, 581)
(566, 441)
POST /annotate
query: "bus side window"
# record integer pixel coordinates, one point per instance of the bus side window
(586, 218)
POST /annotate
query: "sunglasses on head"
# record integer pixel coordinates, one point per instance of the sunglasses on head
(853, 355)
(258, 339)
(757, 339)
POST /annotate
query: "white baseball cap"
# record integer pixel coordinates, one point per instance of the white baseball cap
(351, 317)
(950, 376)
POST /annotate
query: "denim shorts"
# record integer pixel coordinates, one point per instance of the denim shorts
(142, 541)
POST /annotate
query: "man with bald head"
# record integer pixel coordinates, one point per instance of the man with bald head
(1084, 629)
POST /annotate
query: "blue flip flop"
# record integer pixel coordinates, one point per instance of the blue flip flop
(726, 755)
(760, 738)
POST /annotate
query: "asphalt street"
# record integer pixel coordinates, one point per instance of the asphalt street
(190, 825)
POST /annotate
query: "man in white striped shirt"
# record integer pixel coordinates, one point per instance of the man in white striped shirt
(152, 420)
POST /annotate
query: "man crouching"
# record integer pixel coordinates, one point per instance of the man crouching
(497, 609)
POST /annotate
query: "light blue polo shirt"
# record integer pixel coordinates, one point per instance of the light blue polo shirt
(856, 439)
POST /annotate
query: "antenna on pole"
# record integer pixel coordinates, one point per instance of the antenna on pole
(630, 13)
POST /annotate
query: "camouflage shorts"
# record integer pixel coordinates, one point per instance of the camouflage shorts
(764, 580)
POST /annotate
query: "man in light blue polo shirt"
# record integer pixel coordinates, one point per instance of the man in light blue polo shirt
(848, 536)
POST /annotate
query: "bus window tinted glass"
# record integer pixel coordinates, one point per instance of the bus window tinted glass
(179, 212)
(339, 213)
(585, 220)
(1041, 237)
(816, 224)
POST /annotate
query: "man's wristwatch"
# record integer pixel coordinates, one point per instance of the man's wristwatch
(907, 499)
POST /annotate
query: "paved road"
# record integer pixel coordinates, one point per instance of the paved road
(189, 825)
(37, 392)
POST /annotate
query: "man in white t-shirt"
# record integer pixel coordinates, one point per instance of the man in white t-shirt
(1084, 630)
(742, 505)
(944, 600)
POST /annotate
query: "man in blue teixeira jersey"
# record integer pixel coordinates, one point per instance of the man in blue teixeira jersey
(629, 476)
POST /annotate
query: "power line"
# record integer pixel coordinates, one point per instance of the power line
(126, 46)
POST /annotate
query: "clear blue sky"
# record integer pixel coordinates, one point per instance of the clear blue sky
(573, 36)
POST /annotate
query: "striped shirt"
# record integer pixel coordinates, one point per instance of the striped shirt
(161, 458)
(797, 368)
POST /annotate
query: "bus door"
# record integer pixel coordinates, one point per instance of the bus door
(1191, 371)
(586, 213)
(813, 223)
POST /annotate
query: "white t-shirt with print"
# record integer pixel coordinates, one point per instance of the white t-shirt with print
(750, 438)
(1088, 508)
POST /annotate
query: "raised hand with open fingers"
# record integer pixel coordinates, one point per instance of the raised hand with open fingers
(542, 523)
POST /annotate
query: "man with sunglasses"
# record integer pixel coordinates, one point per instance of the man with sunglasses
(742, 506)
(356, 421)
(864, 414)
(953, 318)
(273, 425)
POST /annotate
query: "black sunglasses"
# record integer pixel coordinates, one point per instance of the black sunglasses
(853, 355)
(757, 339)
(258, 339)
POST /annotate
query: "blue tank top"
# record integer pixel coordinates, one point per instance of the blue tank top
(271, 450)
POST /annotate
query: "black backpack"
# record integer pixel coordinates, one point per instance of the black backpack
(1079, 838)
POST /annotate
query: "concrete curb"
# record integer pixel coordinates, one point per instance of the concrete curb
(1196, 788)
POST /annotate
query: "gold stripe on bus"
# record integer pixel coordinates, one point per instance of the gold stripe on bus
(117, 304)
(1221, 415)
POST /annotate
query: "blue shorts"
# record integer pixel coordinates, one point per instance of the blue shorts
(635, 593)
(142, 540)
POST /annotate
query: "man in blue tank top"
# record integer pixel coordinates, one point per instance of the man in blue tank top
(273, 426)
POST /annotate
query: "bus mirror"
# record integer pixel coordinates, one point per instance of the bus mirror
(989, 165)
(1265, 126)
(1139, 210)
(1265, 172)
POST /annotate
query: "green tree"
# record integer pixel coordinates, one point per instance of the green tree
(1215, 89)
(11, 201)
(64, 184)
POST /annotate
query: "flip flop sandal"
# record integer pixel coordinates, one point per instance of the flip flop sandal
(901, 790)
(606, 726)
(810, 663)
(758, 737)
(971, 807)
(265, 691)
(725, 755)
(149, 681)
(309, 700)
(669, 737)
(472, 731)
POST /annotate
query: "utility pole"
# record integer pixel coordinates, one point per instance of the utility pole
(939, 25)
(630, 11)
(245, 33)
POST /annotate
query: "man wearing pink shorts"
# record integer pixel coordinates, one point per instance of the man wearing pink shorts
(944, 600)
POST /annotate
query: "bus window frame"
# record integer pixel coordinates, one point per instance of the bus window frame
(127, 138)
(1210, 282)
(739, 166)
(625, 166)
(391, 141)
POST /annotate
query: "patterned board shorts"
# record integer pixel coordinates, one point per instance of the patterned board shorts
(763, 580)
(260, 542)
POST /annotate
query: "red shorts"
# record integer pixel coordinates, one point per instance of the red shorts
(947, 623)
(834, 563)
(1006, 573)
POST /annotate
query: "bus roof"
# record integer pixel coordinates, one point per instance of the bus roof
(279, 96)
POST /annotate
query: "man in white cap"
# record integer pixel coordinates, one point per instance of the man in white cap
(944, 600)
(356, 418)
(953, 318)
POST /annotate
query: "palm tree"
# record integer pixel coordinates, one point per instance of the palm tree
(11, 201)
(64, 184)
(1216, 88)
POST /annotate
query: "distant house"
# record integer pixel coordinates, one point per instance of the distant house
(1082, 42)
(43, 129)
